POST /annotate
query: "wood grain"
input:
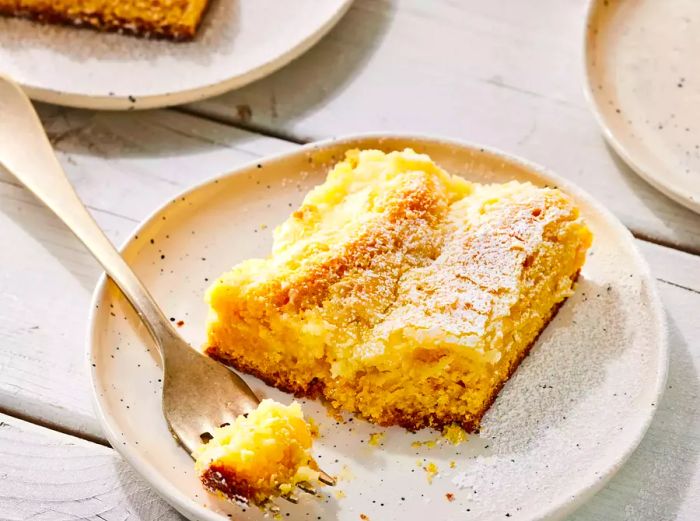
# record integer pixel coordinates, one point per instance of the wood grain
(47, 476)
(501, 73)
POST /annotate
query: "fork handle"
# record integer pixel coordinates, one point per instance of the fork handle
(26, 152)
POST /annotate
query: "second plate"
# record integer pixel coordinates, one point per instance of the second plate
(643, 83)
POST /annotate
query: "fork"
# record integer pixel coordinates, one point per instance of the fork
(199, 393)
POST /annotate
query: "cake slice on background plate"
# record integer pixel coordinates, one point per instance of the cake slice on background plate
(171, 19)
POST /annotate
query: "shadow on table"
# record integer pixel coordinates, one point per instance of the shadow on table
(313, 79)
(153, 134)
(655, 480)
(309, 82)
(31, 216)
(198, 148)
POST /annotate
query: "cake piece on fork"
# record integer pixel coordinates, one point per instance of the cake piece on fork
(263, 454)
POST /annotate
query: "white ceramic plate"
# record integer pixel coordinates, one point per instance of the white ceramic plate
(239, 41)
(643, 83)
(573, 412)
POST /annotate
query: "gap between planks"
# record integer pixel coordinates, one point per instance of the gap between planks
(666, 244)
(55, 427)
(261, 130)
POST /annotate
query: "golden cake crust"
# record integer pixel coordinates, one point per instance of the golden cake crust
(310, 287)
(220, 478)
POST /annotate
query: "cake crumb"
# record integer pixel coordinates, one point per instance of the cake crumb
(450, 497)
(432, 470)
(313, 427)
(454, 434)
(345, 474)
(375, 438)
(244, 112)
(453, 464)
(364, 517)
(418, 444)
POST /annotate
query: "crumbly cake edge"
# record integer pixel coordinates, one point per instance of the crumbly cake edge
(409, 422)
(138, 28)
(218, 478)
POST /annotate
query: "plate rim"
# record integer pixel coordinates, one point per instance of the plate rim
(179, 97)
(678, 194)
(556, 510)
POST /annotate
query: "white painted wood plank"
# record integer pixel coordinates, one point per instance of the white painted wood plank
(123, 166)
(675, 268)
(129, 163)
(48, 476)
(45, 284)
(503, 73)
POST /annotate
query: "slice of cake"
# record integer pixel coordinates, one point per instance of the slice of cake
(399, 292)
(263, 454)
(173, 19)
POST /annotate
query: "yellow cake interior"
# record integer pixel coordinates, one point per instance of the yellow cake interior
(263, 454)
(400, 292)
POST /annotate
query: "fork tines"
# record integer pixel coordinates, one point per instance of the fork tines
(291, 497)
(326, 479)
(307, 487)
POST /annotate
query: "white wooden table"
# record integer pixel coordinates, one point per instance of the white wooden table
(506, 73)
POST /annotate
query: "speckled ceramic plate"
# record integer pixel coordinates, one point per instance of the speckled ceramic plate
(568, 419)
(239, 41)
(643, 82)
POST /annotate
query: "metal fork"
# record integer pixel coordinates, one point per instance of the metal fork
(199, 394)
